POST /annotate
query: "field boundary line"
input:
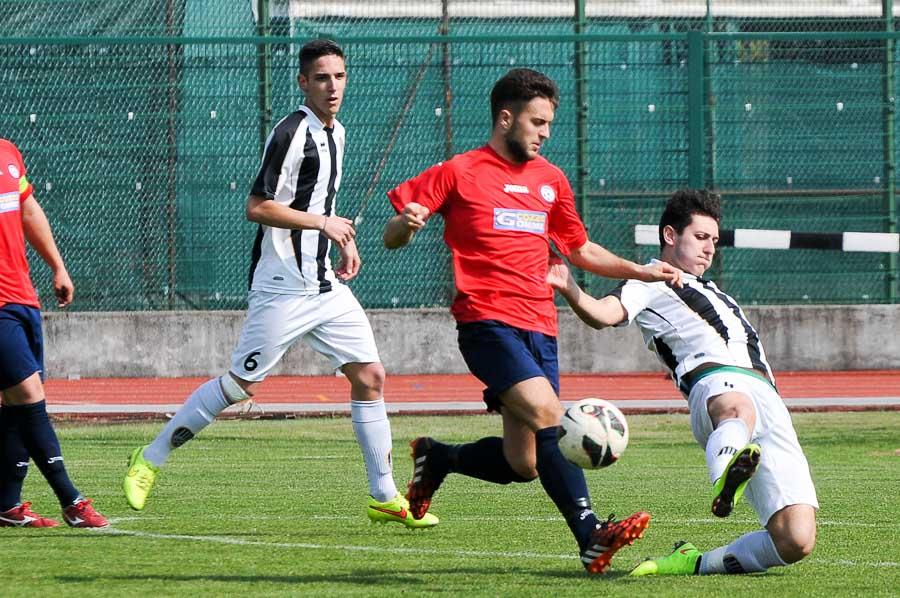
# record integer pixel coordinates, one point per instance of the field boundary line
(418, 551)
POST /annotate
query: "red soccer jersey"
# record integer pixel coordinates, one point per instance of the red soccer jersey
(15, 282)
(499, 220)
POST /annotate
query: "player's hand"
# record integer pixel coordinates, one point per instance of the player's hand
(415, 215)
(661, 271)
(338, 229)
(558, 274)
(63, 288)
(350, 262)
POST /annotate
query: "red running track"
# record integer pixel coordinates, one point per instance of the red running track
(456, 388)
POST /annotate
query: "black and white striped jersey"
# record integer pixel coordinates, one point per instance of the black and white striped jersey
(301, 168)
(693, 325)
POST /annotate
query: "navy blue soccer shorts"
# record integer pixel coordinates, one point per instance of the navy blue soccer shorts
(501, 356)
(21, 344)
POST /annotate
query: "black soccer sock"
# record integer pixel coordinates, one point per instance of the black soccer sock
(565, 485)
(43, 446)
(13, 461)
(482, 459)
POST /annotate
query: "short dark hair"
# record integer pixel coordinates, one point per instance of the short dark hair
(683, 204)
(518, 87)
(314, 50)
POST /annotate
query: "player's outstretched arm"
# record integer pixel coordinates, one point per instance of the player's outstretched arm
(271, 213)
(39, 235)
(400, 230)
(596, 313)
(596, 259)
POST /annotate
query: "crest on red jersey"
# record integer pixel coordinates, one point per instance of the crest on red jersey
(548, 194)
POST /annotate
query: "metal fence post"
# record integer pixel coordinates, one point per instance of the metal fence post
(581, 126)
(696, 106)
(710, 107)
(581, 110)
(172, 67)
(264, 74)
(890, 180)
(448, 82)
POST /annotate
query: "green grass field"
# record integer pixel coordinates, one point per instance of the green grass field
(277, 507)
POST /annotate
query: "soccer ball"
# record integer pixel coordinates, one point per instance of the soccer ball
(593, 433)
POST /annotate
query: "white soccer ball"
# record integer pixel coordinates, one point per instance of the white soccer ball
(593, 433)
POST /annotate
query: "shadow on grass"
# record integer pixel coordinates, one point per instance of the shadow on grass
(67, 535)
(358, 577)
(608, 576)
(348, 577)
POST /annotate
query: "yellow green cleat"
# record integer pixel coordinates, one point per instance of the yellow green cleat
(683, 561)
(729, 488)
(397, 510)
(139, 480)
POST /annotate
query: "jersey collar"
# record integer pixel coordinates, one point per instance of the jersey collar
(684, 275)
(315, 119)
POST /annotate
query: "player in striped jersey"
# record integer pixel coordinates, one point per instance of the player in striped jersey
(295, 293)
(715, 357)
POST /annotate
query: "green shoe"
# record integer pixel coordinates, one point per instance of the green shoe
(682, 561)
(397, 510)
(729, 488)
(139, 479)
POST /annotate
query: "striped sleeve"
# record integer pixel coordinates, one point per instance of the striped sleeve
(634, 295)
(277, 146)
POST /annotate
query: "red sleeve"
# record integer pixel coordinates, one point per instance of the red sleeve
(25, 188)
(430, 188)
(566, 228)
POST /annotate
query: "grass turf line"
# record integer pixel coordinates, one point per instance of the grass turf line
(277, 507)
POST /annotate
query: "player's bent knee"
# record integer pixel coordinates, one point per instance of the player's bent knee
(794, 547)
(549, 415)
(232, 390)
(524, 466)
(368, 376)
(794, 537)
(27, 392)
(525, 473)
(732, 405)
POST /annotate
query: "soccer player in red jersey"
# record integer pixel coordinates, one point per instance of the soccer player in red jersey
(502, 205)
(25, 428)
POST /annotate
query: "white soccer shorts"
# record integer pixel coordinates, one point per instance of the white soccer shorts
(333, 324)
(783, 476)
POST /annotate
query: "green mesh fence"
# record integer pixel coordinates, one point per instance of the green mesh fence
(141, 125)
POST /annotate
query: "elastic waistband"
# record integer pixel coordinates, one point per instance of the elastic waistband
(688, 382)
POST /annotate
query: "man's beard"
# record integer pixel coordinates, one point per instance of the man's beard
(515, 147)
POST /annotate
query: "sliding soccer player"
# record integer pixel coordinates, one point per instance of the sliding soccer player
(717, 361)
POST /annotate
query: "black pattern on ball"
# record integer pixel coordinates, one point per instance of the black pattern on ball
(593, 450)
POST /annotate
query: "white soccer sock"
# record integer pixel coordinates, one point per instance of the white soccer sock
(198, 411)
(730, 436)
(751, 553)
(373, 432)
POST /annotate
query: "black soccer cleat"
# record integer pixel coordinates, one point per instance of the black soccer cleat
(426, 477)
(730, 487)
